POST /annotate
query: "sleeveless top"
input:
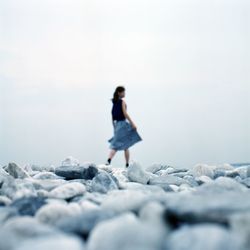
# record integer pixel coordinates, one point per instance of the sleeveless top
(117, 113)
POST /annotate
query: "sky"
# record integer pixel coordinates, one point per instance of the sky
(184, 64)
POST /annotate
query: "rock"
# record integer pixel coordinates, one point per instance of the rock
(125, 232)
(191, 180)
(7, 213)
(137, 174)
(51, 213)
(199, 207)
(46, 184)
(239, 224)
(248, 172)
(167, 179)
(219, 172)
(38, 168)
(143, 187)
(246, 182)
(19, 229)
(46, 175)
(232, 173)
(156, 167)
(206, 236)
(203, 179)
(68, 190)
(103, 183)
(55, 242)
(88, 171)
(125, 200)
(4, 200)
(243, 171)
(120, 174)
(17, 172)
(28, 205)
(70, 162)
(17, 188)
(202, 169)
(89, 219)
(222, 184)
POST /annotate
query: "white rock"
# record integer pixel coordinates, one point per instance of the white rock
(16, 171)
(68, 190)
(203, 179)
(5, 200)
(51, 213)
(202, 169)
(46, 175)
(137, 174)
(125, 232)
(70, 161)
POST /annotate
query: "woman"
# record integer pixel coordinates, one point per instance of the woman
(125, 133)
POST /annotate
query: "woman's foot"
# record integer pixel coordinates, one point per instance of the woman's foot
(127, 164)
(108, 161)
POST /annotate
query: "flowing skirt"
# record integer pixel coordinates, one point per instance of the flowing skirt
(124, 136)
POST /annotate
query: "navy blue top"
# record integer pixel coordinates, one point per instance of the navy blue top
(117, 113)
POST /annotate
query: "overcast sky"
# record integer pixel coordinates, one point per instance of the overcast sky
(185, 65)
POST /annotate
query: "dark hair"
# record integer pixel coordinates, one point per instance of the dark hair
(116, 95)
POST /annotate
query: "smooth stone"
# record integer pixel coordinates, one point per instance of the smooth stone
(191, 180)
(202, 169)
(203, 179)
(137, 174)
(46, 175)
(232, 173)
(243, 171)
(103, 182)
(221, 184)
(16, 171)
(87, 205)
(83, 224)
(126, 232)
(68, 190)
(219, 173)
(28, 205)
(205, 236)
(239, 224)
(19, 229)
(199, 207)
(120, 174)
(4, 200)
(246, 182)
(51, 213)
(125, 200)
(55, 242)
(7, 213)
(70, 162)
(87, 171)
(46, 184)
(167, 179)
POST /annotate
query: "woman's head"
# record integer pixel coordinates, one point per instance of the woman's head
(119, 93)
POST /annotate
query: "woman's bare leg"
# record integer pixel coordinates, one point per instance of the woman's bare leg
(112, 153)
(126, 153)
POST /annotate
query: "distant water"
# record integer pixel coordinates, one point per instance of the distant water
(240, 164)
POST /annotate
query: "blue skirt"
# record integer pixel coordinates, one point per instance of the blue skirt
(124, 136)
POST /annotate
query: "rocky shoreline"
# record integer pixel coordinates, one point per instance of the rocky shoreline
(97, 207)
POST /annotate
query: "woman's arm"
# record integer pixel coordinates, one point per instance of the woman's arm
(126, 114)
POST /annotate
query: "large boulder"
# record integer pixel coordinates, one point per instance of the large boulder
(167, 179)
(87, 171)
(137, 174)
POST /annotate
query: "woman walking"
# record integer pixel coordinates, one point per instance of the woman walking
(125, 133)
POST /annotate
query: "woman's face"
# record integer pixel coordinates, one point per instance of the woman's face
(122, 94)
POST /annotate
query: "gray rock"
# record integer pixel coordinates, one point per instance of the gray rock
(4, 200)
(39, 168)
(88, 220)
(137, 174)
(87, 171)
(156, 167)
(103, 182)
(206, 236)
(167, 179)
(46, 175)
(191, 180)
(16, 171)
(68, 190)
(219, 173)
(28, 205)
(126, 232)
(46, 184)
(246, 182)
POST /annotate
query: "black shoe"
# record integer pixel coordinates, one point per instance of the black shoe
(108, 161)
(127, 164)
